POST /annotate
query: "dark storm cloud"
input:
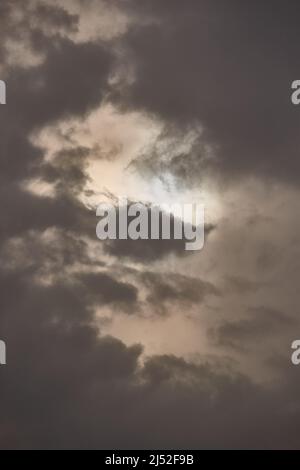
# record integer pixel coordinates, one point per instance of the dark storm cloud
(31, 212)
(48, 331)
(70, 81)
(74, 389)
(53, 254)
(55, 17)
(228, 66)
(151, 250)
(145, 251)
(259, 322)
(176, 288)
(57, 360)
(68, 169)
(242, 285)
(65, 384)
(17, 26)
(6, 23)
(101, 288)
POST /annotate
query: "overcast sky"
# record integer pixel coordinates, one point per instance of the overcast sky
(140, 344)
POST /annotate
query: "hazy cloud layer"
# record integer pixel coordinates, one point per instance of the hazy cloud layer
(138, 344)
(228, 67)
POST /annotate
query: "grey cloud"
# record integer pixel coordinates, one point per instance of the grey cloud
(80, 391)
(55, 17)
(171, 287)
(71, 81)
(66, 385)
(39, 95)
(228, 67)
(254, 327)
(31, 212)
(150, 250)
(102, 287)
(242, 285)
(68, 170)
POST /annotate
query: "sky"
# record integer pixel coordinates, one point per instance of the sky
(140, 344)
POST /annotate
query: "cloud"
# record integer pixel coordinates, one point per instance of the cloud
(176, 288)
(103, 288)
(79, 390)
(151, 250)
(55, 17)
(223, 74)
(261, 322)
(231, 71)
